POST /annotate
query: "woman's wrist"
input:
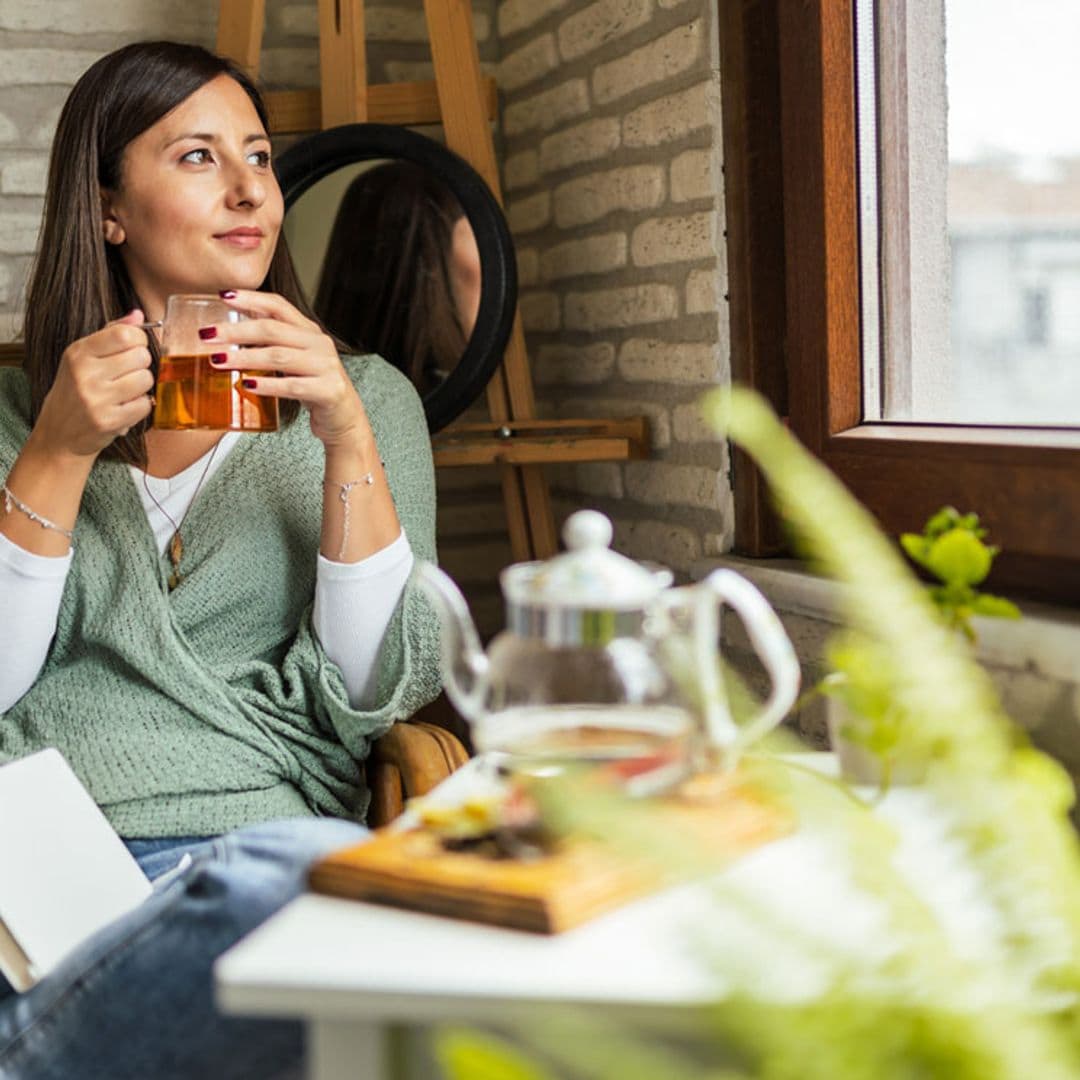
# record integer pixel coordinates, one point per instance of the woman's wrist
(41, 497)
(352, 458)
(43, 453)
(358, 512)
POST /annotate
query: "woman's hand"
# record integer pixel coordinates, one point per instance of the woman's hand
(278, 340)
(101, 390)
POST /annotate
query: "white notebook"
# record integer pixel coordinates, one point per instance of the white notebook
(64, 873)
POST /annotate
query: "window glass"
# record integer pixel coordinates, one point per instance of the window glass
(977, 218)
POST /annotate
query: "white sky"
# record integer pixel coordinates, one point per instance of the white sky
(1013, 70)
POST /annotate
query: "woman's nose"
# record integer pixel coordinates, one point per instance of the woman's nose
(246, 188)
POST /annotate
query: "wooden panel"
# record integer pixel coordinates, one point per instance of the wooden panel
(820, 217)
(539, 442)
(904, 483)
(635, 427)
(753, 209)
(240, 32)
(535, 451)
(408, 103)
(457, 72)
(342, 62)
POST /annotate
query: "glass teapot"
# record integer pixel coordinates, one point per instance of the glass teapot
(603, 662)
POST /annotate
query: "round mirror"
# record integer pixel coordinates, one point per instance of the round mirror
(403, 250)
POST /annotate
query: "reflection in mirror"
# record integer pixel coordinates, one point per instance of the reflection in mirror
(419, 192)
(398, 270)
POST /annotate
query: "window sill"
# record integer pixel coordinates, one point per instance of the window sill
(1045, 642)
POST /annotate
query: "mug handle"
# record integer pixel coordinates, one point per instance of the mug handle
(770, 642)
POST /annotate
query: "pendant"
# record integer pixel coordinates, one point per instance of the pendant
(176, 553)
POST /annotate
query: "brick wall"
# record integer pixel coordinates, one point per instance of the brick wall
(611, 140)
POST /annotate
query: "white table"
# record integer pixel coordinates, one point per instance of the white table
(352, 970)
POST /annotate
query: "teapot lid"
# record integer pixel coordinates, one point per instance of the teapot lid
(587, 576)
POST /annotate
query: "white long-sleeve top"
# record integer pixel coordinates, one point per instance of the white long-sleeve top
(353, 601)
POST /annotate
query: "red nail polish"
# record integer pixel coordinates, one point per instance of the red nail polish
(207, 332)
(218, 358)
(227, 294)
(248, 384)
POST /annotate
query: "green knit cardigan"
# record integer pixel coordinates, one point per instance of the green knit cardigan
(215, 706)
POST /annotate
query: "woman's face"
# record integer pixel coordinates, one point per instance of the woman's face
(199, 208)
(465, 274)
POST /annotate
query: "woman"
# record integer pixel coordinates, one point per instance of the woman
(211, 629)
(401, 275)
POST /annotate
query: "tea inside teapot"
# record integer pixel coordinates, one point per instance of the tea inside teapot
(644, 749)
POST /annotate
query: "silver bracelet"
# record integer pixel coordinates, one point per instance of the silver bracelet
(11, 501)
(344, 490)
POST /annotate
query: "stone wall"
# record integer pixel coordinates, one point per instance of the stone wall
(611, 168)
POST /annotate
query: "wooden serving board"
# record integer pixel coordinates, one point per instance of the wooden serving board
(555, 892)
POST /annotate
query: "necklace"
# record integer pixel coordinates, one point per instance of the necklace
(175, 546)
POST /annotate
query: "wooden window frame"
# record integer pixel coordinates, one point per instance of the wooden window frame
(799, 341)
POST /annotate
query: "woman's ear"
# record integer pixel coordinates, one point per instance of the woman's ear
(111, 228)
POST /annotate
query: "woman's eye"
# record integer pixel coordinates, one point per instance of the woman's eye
(197, 157)
(260, 158)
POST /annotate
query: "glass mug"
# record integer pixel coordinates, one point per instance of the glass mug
(191, 393)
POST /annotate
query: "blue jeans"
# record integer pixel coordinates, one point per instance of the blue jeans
(135, 1001)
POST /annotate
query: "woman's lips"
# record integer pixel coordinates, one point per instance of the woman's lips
(244, 239)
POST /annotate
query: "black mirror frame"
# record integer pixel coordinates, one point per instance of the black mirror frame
(316, 156)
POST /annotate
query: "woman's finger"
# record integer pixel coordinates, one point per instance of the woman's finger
(267, 304)
(132, 385)
(261, 332)
(271, 358)
(130, 413)
(122, 364)
(117, 337)
(288, 386)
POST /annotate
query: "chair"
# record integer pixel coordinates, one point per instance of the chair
(408, 761)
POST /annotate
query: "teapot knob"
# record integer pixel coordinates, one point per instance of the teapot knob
(587, 529)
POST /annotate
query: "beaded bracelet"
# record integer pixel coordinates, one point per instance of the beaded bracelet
(10, 500)
(344, 490)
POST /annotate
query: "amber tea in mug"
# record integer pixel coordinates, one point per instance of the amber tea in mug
(191, 392)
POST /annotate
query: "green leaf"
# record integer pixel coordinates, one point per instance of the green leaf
(916, 547)
(994, 607)
(958, 556)
(468, 1055)
(946, 519)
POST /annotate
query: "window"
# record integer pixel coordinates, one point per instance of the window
(865, 369)
(964, 113)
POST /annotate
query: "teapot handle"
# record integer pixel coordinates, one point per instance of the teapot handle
(770, 642)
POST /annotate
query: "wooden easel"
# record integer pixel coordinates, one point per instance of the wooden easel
(464, 102)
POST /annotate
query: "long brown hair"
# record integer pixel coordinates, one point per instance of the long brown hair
(79, 282)
(385, 285)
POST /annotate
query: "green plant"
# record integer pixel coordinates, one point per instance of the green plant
(951, 548)
(928, 1008)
